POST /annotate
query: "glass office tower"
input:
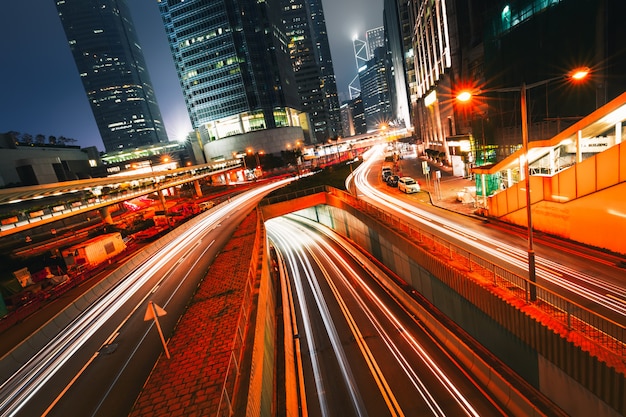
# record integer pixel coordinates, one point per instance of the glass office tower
(233, 63)
(313, 66)
(110, 61)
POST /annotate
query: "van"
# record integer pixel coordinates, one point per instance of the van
(408, 185)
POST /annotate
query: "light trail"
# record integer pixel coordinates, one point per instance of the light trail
(19, 388)
(486, 244)
(297, 257)
(294, 237)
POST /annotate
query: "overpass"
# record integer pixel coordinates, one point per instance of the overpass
(83, 196)
(578, 177)
(573, 355)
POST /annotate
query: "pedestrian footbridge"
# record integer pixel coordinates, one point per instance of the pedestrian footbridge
(577, 181)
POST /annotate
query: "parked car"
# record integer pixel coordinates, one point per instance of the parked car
(392, 180)
(408, 185)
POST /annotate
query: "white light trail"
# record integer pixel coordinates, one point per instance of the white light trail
(19, 388)
(295, 237)
(297, 257)
(499, 249)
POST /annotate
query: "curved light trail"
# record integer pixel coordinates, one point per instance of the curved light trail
(602, 293)
(20, 387)
(297, 244)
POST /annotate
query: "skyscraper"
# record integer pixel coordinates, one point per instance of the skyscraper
(312, 65)
(110, 61)
(374, 80)
(233, 64)
(375, 38)
(395, 46)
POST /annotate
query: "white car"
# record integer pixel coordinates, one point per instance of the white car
(408, 185)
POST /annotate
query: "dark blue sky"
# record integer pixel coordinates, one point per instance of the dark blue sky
(41, 91)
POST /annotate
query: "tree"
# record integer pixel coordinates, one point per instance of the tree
(27, 138)
(52, 140)
(40, 139)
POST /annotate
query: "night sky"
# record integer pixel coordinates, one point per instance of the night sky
(41, 91)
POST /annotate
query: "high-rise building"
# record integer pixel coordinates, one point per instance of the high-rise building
(436, 46)
(110, 61)
(233, 64)
(312, 65)
(363, 52)
(374, 80)
(353, 118)
(398, 74)
(374, 38)
(530, 41)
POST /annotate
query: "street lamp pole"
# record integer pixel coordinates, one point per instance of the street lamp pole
(576, 75)
(532, 272)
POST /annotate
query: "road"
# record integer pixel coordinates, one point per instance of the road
(362, 353)
(98, 364)
(590, 278)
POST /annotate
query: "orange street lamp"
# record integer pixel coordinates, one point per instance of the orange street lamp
(580, 73)
(464, 96)
(577, 74)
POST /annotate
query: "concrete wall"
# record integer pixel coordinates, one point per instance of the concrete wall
(541, 356)
(41, 159)
(268, 141)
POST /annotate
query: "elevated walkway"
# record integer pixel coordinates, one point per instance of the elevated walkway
(577, 182)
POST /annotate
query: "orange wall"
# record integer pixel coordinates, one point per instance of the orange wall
(585, 203)
(598, 219)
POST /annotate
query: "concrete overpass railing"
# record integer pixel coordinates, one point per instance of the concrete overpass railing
(553, 337)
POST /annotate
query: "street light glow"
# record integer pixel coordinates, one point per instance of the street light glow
(464, 96)
(580, 73)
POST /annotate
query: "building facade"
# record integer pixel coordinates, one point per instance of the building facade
(23, 164)
(313, 67)
(374, 38)
(103, 41)
(375, 92)
(399, 84)
(490, 45)
(536, 41)
(232, 60)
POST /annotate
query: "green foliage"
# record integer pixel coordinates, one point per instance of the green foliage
(333, 176)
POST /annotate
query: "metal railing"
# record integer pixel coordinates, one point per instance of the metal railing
(574, 318)
(229, 387)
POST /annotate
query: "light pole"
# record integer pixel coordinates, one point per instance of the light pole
(577, 75)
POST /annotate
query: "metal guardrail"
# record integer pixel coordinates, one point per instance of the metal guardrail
(586, 323)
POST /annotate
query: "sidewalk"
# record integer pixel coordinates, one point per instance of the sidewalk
(191, 382)
(447, 194)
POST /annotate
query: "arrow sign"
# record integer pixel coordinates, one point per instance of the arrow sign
(153, 312)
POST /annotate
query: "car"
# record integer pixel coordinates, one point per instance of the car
(386, 172)
(392, 180)
(408, 185)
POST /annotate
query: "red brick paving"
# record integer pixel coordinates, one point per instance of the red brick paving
(190, 383)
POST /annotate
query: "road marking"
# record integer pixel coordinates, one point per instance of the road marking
(621, 300)
(381, 382)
